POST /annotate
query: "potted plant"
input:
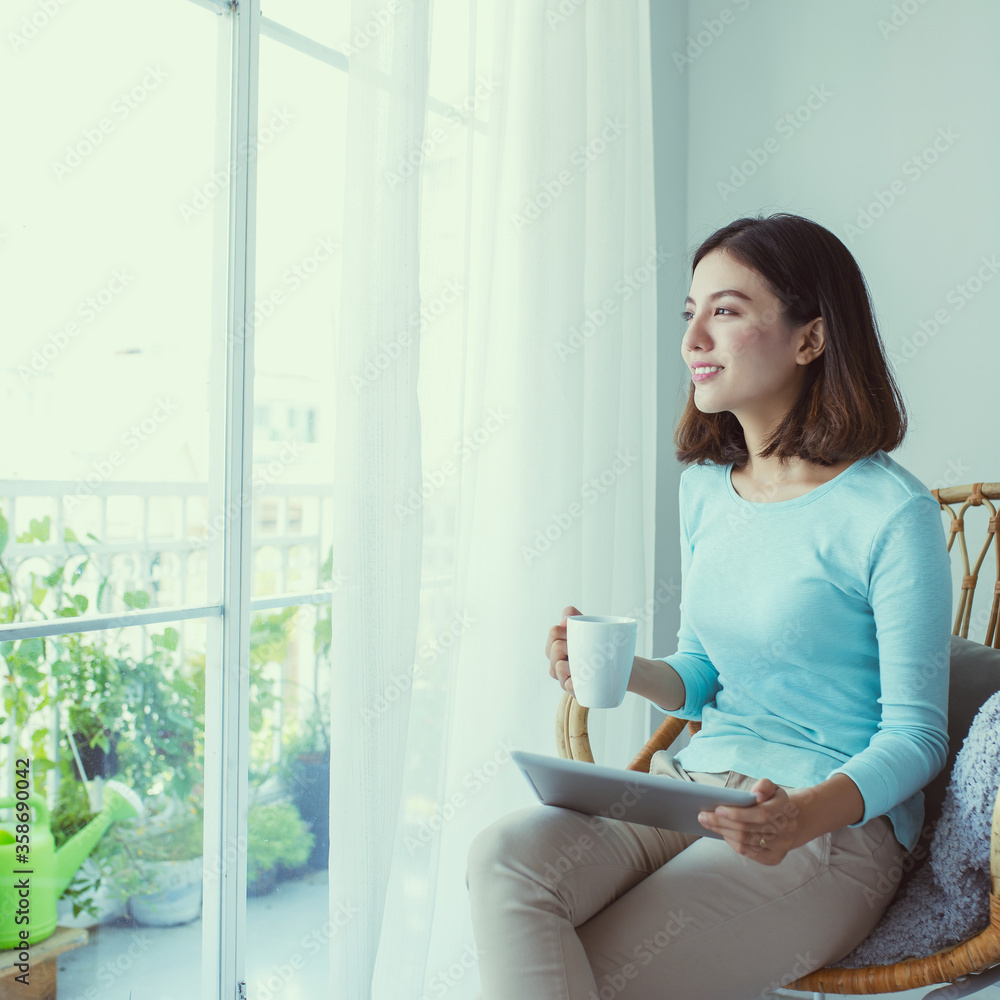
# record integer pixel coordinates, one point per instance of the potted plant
(278, 843)
(29, 692)
(92, 692)
(168, 863)
(144, 717)
(305, 772)
(92, 897)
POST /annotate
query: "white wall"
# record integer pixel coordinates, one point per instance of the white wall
(886, 80)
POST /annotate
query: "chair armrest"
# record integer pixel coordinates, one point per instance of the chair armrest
(668, 731)
(573, 741)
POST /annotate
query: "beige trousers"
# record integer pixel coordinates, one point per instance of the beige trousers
(573, 907)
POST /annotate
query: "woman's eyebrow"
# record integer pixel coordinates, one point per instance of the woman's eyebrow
(718, 295)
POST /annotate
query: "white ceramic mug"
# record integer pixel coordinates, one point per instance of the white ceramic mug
(601, 650)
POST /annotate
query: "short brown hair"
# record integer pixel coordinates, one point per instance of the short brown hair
(850, 405)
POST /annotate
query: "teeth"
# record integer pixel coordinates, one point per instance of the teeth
(708, 368)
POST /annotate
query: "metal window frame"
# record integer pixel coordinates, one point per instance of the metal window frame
(98, 623)
(227, 741)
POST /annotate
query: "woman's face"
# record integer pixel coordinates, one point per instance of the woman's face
(754, 364)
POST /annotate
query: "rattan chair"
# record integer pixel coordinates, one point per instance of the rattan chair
(978, 953)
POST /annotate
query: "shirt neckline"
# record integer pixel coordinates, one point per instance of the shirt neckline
(799, 501)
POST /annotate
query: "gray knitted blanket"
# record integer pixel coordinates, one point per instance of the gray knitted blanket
(947, 899)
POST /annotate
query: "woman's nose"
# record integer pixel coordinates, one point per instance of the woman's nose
(696, 337)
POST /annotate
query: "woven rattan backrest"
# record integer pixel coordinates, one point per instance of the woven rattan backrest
(979, 495)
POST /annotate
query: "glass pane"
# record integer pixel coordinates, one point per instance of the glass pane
(109, 736)
(113, 292)
(288, 913)
(299, 205)
(324, 22)
(299, 199)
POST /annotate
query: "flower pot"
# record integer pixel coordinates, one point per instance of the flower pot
(311, 795)
(97, 762)
(176, 898)
(264, 884)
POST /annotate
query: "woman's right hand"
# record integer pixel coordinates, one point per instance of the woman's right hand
(555, 650)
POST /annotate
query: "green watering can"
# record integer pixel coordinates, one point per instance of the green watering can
(28, 891)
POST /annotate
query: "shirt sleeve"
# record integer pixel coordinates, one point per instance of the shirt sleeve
(695, 669)
(909, 590)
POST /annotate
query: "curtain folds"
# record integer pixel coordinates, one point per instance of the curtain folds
(495, 450)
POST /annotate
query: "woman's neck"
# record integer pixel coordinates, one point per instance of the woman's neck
(771, 478)
(770, 471)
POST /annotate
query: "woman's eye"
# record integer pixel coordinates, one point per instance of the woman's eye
(686, 316)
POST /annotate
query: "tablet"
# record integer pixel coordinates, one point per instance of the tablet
(649, 799)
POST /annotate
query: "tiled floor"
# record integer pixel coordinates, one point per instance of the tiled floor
(287, 954)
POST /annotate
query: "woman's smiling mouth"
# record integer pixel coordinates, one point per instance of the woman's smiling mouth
(700, 373)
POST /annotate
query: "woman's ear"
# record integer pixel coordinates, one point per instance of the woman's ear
(812, 342)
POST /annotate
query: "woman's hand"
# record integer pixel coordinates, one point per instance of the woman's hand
(765, 832)
(652, 679)
(786, 820)
(555, 650)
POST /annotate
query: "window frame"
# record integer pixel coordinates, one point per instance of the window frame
(227, 731)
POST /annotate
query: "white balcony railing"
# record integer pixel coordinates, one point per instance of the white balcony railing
(156, 538)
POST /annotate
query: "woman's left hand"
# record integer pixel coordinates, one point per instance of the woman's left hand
(765, 832)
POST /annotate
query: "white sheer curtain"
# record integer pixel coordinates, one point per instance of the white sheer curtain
(495, 439)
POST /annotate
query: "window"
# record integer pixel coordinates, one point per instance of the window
(125, 527)
(171, 269)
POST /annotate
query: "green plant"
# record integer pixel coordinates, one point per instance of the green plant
(182, 841)
(71, 814)
(311, 734)
(116, 863)
(149, 710)
(323, 631)
(152, 714)
(277, 840)
(126, 857)
(269, 637)
(28, 690)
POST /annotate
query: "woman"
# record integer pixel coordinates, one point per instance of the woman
(813, 647)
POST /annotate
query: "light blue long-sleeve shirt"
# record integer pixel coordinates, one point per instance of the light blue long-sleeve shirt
(814, 634)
